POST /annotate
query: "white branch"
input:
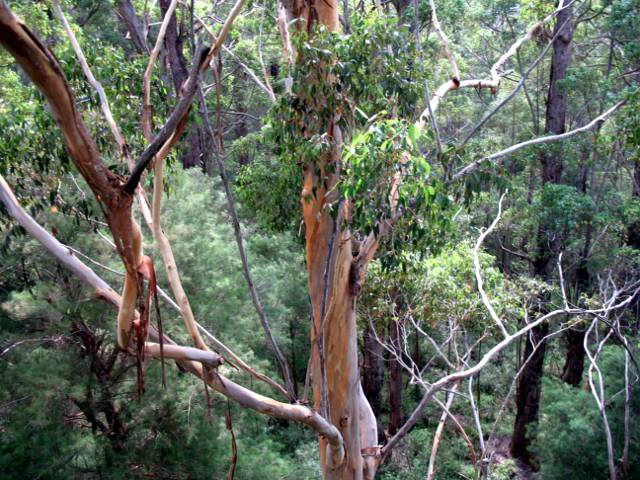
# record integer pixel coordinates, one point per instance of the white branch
(482, 363)
(444, 40)
(593, 124)
(478, 271)
(496, 77)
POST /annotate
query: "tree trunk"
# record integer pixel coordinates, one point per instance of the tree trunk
(336, 378)
(574, 360)
(395, 379)
(333, 285)
(527, 397)
(128, 14)
(174, 40)
(557, 99)
(528, 393)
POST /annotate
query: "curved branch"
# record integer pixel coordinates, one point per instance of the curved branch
(478, 271)
(496, 78)
(445, 42)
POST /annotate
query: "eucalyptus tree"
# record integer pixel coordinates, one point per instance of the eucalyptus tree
(367, 189)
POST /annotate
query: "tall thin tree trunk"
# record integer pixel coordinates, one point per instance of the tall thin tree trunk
(527, 397)
(395, 379)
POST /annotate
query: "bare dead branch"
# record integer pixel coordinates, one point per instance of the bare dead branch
(496, 77)
(478, 271)
(445, 42)
(593, 124)
(516, 89)
(622, 297)
(599, 393)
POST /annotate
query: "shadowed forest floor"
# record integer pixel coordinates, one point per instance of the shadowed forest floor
(498, 449)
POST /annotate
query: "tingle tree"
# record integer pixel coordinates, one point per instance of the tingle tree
(367, 189)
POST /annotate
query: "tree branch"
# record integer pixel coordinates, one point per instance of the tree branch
(593, 124)
(447, 380)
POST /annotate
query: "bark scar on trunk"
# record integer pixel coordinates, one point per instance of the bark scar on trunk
(355, 278)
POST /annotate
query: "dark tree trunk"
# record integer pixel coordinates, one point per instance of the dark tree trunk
(401, 7)
(128, 14)
(395, 379)
(549, 244)
(561, 59)
(528, 394)
(240, 128)
(574, 337)
(192, 156)
(574, 360)
(557, 99)
(373, 370)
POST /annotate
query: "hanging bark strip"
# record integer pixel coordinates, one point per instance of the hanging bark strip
(228, 421)
(148, 271)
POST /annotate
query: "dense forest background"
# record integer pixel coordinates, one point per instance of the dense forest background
(482, 241)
